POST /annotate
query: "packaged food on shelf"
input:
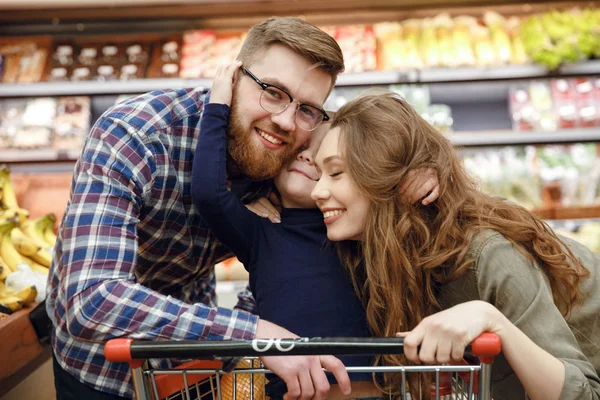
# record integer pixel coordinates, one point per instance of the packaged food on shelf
(25, 59)
(499, 35)
(59, 74)
(138, 53)
(106, 72)
(82, 73)
(112, 53)
(485, 52)
(72, 122)
(509, 172)
(411, 29)
(63, 54)
(359, 46)
(563, 96)
(166, 55)
(541, 101)
(430, 52)
(205, 50)
(89, 55)
(131, 71)
(390, 46)
(11, 120)
(444, 26)
(59, 123)
(36, 124)
(518, 52)
(462, 40)
(586, 103)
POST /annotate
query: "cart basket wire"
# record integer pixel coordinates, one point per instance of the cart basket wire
(468, 381)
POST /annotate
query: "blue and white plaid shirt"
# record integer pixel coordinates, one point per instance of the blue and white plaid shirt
(133, 258)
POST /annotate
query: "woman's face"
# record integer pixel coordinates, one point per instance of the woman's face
(344, 207)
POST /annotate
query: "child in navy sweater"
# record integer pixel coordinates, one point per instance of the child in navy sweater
(296, 278)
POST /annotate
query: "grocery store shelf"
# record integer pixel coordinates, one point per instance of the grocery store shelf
(506, 72)
(571, 213)
(378, 78)
(38, 155)
(462, 74)
(96, 88)
(502, 138)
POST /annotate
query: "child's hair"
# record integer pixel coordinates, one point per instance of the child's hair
(408, 250)
(300, 36)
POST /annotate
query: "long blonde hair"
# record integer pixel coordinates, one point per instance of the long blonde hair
(407, 249)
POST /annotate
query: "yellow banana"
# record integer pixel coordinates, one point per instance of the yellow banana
(5, 291)
(23, 243)
(37, 267)
(8, 252)
(30, 228)
(4, 271)
(10, 304)
(42, 256)
(27, 295)
(49, 236)
(9, 198)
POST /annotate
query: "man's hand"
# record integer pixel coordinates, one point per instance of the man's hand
(264, 208)
(418, 184)
(303, 375)
(222, 88)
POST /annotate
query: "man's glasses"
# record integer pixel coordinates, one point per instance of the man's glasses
(276, 101)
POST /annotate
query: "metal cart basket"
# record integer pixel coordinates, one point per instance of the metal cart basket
(204, 378)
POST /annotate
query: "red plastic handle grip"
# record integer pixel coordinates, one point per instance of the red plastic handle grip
(486, 346)
(118, 350)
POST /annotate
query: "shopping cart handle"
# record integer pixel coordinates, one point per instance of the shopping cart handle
(124, 350)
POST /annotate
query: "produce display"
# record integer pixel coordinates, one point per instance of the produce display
(555, 104)
(520, 173)
(556, 37)
(26, 247)
(484, 40)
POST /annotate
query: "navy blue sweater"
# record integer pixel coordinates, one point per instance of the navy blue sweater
(296, 277)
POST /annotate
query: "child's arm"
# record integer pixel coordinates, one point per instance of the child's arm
(227, 218)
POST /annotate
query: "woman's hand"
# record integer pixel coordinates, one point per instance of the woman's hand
(445, 335)
(222, 88)
(420, 183)
(265, 208)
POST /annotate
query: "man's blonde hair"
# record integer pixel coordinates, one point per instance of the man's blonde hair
(300, 36)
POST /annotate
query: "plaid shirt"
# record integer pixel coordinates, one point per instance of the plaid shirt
(133, 257)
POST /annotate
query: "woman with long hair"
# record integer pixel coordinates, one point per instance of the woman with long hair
(442, 274)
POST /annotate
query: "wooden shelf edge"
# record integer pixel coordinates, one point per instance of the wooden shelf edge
(571, 212)
(19, 344)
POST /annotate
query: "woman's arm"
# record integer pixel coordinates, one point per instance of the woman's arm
(537, 342)
(226, 216)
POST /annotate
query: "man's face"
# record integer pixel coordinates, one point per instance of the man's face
(260, 143)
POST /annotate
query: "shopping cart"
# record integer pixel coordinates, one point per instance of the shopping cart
(205, 379)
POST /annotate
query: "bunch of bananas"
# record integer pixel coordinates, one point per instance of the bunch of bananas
(11, 301)
(22, 241)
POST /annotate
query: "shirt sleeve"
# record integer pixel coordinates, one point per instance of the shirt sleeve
(246, 301)
(226, 216)
(521, 291)
(99, 245)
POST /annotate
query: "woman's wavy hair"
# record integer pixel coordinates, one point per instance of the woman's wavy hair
(409, 250)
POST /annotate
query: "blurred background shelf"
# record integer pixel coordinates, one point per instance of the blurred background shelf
(370, 78)
(507, 137)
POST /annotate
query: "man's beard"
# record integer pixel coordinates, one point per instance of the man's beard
(256, 163)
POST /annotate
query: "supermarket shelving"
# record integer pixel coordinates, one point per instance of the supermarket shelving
(370, 78)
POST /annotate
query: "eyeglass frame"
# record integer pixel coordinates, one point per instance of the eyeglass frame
(265, 86)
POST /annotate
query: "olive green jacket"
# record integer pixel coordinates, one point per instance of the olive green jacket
(507, 279)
